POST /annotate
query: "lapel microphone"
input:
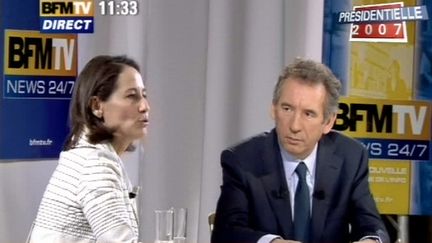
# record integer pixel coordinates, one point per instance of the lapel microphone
(319, 194)
(282, 193)
(133, 194)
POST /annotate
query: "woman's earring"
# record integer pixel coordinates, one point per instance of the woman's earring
(97, 113)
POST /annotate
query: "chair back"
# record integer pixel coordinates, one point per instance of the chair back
(211, 219)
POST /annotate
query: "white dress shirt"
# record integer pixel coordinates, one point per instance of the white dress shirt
(290, 164)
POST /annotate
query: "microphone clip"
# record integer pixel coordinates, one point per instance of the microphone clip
(319, 194)
(281, 193)
(134, 193)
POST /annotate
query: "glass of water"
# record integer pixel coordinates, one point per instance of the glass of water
(164, 226)
(180, 223)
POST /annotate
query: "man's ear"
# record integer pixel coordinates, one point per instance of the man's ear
(329, 123)
(273, 111)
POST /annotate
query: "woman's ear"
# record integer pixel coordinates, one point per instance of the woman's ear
(95, 106)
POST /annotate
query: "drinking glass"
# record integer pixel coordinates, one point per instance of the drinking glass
(164, 226)
(180, 223)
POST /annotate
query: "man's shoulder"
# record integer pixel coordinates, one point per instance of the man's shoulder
(251, 153)
(253, 142)
(341, 140)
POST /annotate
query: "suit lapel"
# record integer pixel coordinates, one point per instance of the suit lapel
(275, 184)
(328, 167)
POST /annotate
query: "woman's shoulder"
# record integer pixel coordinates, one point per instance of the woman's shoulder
(91, 155)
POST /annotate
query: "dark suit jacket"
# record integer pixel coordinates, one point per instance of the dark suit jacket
(254, 198)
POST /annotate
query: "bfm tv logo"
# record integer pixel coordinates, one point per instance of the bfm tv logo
(30, 53)
(38, 65)
(385, 119)
(66, 16)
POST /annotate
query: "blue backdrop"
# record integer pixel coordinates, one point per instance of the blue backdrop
(31, 126)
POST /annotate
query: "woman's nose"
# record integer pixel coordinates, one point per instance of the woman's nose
(144, 105)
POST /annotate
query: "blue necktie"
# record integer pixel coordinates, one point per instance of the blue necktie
(301, 206)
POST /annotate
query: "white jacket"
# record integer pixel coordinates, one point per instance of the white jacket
(87, 199)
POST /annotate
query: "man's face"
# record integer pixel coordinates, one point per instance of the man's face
(299, 117)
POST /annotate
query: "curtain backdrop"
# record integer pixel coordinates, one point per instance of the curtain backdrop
(210, 67)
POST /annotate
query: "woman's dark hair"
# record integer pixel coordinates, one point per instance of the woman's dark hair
(98, 78)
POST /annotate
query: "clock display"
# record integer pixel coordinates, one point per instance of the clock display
(124, 7)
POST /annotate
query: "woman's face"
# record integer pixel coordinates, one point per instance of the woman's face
(127, 108)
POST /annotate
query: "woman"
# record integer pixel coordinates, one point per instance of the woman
(87, 198)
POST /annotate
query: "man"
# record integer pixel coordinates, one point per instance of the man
(258, 201)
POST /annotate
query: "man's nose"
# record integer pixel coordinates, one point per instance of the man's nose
(295, 122)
